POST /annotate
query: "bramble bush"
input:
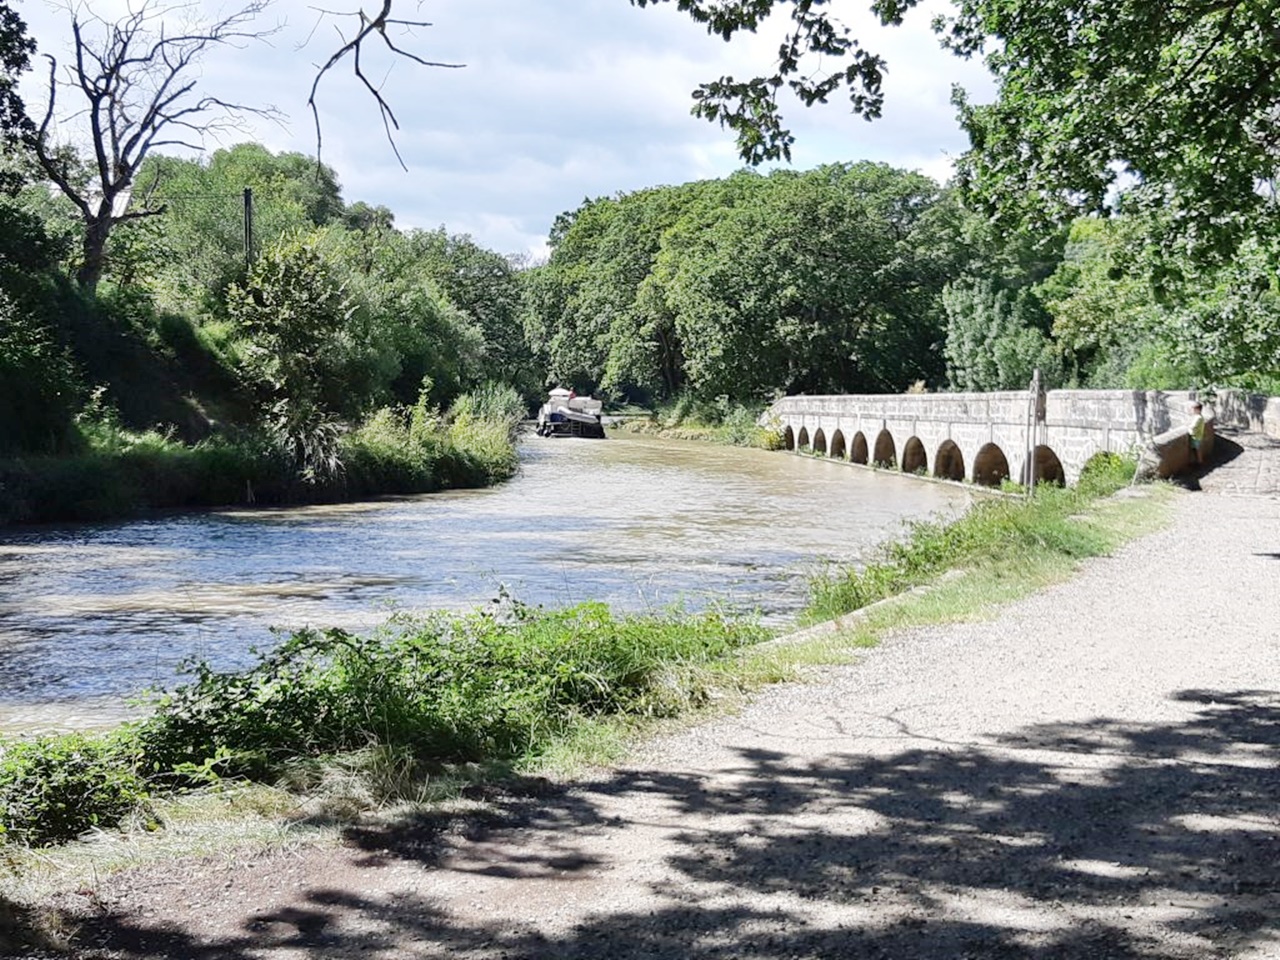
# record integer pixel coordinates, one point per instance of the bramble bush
(497, 685)
(54, 788)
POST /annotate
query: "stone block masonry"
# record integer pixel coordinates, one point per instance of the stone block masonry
(984, 437)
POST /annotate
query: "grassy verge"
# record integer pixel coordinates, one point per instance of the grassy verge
(1000, 550)
(687, 418)
(495, 688)
(122, 473)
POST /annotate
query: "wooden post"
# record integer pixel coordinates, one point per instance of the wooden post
(248, 228)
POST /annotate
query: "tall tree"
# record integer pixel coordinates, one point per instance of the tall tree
(133, 83)
(1176, 99)
(15, 55)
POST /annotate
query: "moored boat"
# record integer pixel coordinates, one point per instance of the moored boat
(565, 414)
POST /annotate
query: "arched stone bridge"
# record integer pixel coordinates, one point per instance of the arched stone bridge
(981, 437)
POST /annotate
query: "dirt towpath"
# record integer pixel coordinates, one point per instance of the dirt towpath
(1093, 774)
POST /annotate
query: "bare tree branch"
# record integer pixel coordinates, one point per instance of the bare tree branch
(136, 79)
(368, 26)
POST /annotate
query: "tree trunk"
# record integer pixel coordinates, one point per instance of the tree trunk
(94, 249)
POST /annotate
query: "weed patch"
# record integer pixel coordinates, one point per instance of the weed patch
(991, 535)
(492, 687)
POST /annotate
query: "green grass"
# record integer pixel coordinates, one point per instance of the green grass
(718, 421)
(120, 472)
(995, 534)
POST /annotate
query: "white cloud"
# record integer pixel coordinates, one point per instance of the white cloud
(558, 101)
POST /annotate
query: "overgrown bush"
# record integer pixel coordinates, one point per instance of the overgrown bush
(447, 687)
(53, 789)
(494, 685)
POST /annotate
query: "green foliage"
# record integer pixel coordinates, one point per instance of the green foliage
(121, 472)
(482, 428)
(715, 421)
(55, 788)
(1092, 92)
(416, 450)
(817, 58)
(824, 281)
(996, 338)
(41, 388)
(991, 532)
(484, 287)
(492, 685)
(498, 685)
(195, 250)
(293, 315)
(15, 53)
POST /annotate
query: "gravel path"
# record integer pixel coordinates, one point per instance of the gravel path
(1093, 774)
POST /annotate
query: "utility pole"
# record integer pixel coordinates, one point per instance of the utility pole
(248, 228)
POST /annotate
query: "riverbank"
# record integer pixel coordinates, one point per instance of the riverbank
(121, 474)
(990, 580)
(688, 419)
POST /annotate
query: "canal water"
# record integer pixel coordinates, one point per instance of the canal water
(92, 614)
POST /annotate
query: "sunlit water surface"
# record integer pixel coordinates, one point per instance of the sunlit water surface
(92, 614)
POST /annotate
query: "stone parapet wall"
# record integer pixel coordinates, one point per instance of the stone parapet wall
(1077, 424)
(1248, 411)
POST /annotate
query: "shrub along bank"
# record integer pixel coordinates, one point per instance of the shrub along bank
(120, 473)
(488, 687)
(505, 686)
(719, 421)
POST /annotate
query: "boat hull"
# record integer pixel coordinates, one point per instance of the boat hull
(560, 422)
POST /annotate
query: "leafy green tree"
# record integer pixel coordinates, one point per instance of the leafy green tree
(485, 288)
(292, 313)
(200, 249)
(408, 331)
(1105, 315)
(996, 338)
(827, 281)
(1177, 100)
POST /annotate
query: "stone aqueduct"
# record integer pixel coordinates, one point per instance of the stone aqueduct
(979, 437)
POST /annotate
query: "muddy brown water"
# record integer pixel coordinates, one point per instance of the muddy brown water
(92, 614)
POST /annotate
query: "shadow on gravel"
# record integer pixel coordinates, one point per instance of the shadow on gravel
(973, 851)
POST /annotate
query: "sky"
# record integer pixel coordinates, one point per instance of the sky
(557, 101)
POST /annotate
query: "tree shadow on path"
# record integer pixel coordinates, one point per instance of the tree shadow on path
(1103, 839)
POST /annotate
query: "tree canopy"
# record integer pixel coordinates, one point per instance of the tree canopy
(1173, 103)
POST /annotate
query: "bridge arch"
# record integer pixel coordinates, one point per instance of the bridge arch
(820, 442)
(802, 441)
(838, 450)
(990, 466)
(914, 459)
(789, 438)
(858, 453)
(885, 453)
(1048, 467)
(948, 462)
